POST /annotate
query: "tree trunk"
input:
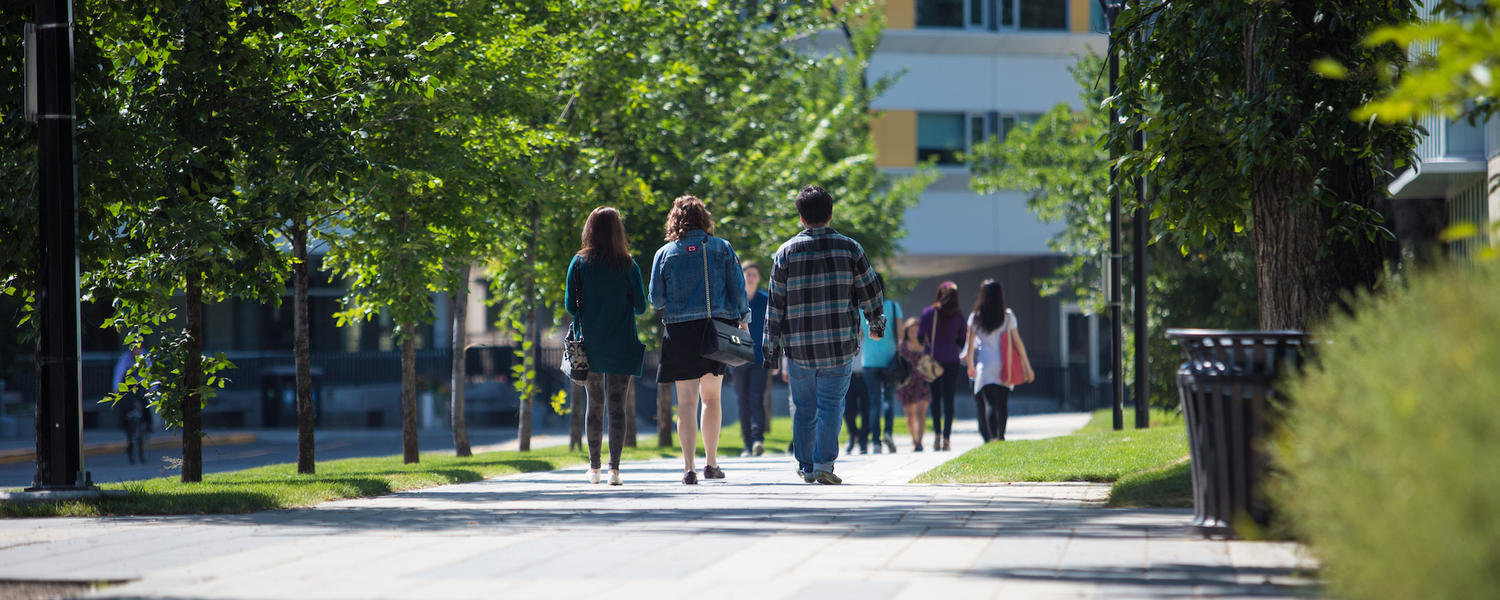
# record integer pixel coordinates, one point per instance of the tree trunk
(630, 433)
(663, 403)
(523, 433)
(1300, 271)
(576, 408)
(302, 353)
(192, 403)
(409, 453)
(460, 303)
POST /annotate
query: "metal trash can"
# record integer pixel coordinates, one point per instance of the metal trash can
(1227, 389)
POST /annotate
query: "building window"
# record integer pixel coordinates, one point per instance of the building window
(1033, 14)
(941, 136)
(941, 13)
(946, 135)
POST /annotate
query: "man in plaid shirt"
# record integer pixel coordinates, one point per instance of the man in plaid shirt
(820, 280)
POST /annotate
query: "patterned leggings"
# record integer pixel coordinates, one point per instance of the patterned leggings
(602, 386)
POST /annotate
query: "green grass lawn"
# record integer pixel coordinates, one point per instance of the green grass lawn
(1145, 464)
(279, 486)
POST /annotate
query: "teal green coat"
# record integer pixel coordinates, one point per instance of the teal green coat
(610, 299)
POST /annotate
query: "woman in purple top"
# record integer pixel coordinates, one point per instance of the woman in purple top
(942, 329)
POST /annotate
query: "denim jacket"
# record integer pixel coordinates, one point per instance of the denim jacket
(677, 280)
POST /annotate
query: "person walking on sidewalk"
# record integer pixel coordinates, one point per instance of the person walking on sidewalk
(604, 294)
(820, 280)
(855, 402)
(990, 322)
(915, 392)
(943, 333)
(131, 409)
(750, 379)
(695, 277)
(879, 377)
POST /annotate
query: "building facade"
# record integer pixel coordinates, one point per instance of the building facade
(970, 70)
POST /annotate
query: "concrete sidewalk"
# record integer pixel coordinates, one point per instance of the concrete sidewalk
(761, 534)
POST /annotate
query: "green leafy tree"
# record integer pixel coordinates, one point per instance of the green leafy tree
(171, 216)
(1242, 134)
(1060, 162)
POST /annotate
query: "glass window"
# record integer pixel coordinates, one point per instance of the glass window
(1098, 21)
(1007, 13)
(940, 13)
(1044, 14)
(977, 131)
(940, 135)
(976, 12)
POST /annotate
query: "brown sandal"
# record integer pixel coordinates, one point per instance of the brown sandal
(690, 478)
(713, 472)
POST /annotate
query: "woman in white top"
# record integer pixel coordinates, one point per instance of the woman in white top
(984, 356)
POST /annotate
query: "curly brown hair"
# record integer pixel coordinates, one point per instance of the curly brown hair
(688, 213)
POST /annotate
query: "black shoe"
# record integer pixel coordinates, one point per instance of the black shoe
(827, 478)
(713, 472)
(917, 447)
(850, 448)
(690, 478)
(806, 476)
(890, 444)
(878, 447)
(864, 448)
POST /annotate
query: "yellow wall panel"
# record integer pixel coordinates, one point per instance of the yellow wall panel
(895, 133)
(1078, 15)
(900, 14)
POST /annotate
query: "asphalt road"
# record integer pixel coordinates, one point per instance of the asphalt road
(271, 447)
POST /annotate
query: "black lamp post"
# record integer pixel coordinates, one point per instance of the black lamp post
(1116, 259)
(59, 409)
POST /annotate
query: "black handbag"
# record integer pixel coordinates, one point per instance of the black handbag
(899, 371)
(723, 342)
(575, 362)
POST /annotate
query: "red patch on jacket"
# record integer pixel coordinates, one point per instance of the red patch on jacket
(692, 248)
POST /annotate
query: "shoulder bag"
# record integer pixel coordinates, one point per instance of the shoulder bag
(575, 362)
(723, 342)
(1011, 372)
(928, 367)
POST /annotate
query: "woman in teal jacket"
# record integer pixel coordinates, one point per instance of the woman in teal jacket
(604, 293)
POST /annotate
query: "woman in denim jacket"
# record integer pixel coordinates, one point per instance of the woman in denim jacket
(678, 290)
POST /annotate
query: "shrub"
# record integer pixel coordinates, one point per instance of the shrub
(1391, 442)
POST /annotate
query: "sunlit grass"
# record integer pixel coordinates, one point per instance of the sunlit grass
(1094, 453)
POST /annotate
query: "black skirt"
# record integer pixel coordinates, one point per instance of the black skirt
(681, 352)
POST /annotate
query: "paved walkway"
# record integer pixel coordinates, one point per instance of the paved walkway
(762, 534)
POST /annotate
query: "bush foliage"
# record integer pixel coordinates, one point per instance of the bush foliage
(1391, 439)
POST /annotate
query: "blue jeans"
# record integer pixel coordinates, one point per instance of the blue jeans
(882, 398)
(817, 415)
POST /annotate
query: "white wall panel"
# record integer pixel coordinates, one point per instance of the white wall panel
(952, 222)
(955, 82)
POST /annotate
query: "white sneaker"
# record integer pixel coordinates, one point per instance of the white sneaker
(593, 475)
(614, 478)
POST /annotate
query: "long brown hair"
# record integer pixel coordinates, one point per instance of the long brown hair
(947, 300)
(990, 306)
(688, 213)
(604, 239)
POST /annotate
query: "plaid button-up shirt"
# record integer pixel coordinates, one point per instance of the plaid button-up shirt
(820, 280)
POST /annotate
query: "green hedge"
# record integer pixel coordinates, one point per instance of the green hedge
(1392, 445)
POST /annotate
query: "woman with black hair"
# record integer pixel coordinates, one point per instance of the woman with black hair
(989, 325)
(604, 294)
(942, 331)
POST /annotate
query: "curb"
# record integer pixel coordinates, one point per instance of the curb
(10, 457)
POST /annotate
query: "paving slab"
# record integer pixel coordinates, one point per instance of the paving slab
(760, 534)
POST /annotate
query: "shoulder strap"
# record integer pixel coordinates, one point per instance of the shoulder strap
(707, 300)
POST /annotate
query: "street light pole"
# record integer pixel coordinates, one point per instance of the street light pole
(1116, 303)
(59, 408)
